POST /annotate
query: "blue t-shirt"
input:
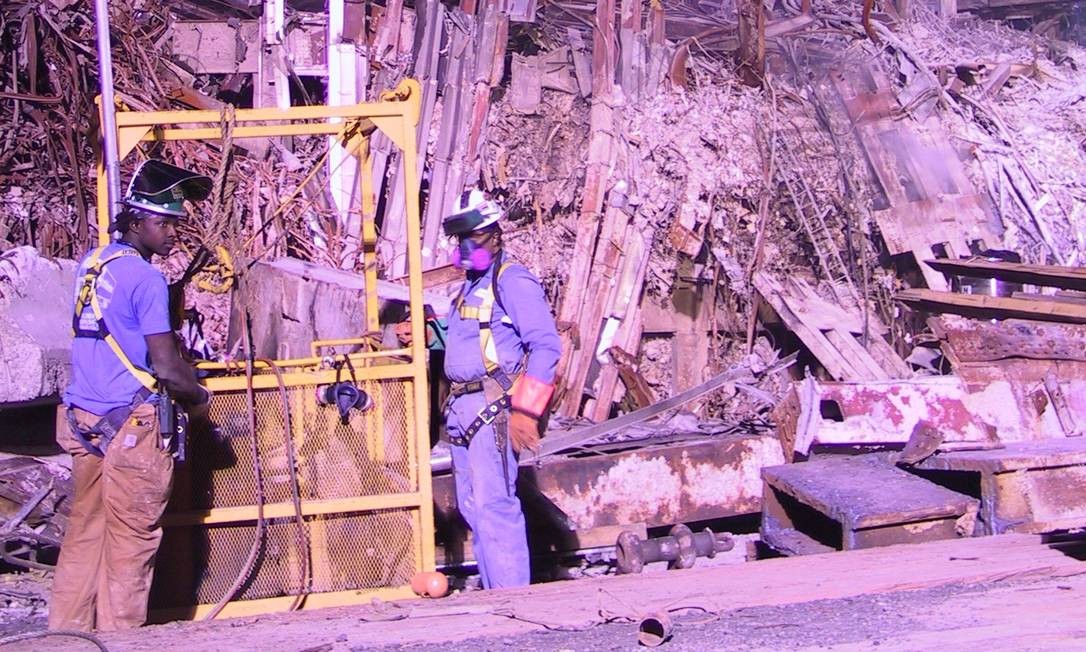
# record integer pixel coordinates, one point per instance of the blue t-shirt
(135, 302)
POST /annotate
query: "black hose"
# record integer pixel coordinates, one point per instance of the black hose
(258, 476)
(59, 632)
(295, 490)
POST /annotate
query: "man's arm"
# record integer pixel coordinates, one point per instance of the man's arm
(150, 300)
(177, 377)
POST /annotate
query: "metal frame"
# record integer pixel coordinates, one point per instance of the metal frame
(396, 115)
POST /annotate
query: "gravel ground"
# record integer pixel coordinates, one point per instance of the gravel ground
(869, 619)
(24, 598)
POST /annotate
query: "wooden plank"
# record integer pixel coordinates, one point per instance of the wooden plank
(658, 54)
(846, 343)
(1005, 616)
(986, 307)
(836, 364)
(626, 308)
(1067, 278)
(393, 243)
(443, 180)
(582, 67)
(578, 345)
(631, 67)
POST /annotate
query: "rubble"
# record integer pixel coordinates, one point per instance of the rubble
(35, 322)
(702, 191)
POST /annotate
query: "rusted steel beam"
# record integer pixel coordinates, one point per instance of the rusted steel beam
(986, 307)
(632, 40)
(659, 484)
(1029, 487)
(491, 41)
(882, 412)
(751, 53)
(1068, 278)
(852, 502)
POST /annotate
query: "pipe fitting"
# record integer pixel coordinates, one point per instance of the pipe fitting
(680, 548)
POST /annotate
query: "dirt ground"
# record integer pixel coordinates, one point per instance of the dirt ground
(990, 616)
(1012, 592)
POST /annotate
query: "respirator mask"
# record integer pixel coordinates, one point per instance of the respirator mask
(471, 256)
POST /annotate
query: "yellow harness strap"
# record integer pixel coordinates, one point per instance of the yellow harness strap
(88, 295)
(483, 314)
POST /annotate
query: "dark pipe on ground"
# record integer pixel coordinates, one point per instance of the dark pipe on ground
(680, 548)
(654, 629)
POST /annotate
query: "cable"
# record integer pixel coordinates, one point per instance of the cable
(258, 476)
(59, 632)
(295, 490)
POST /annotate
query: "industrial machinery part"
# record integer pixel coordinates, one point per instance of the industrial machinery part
(680, 548)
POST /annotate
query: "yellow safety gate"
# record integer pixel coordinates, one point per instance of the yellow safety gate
(346, 512)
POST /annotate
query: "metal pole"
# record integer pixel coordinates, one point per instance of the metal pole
(109, 121)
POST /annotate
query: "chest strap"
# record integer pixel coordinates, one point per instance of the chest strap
(87, 296)
(484, 314)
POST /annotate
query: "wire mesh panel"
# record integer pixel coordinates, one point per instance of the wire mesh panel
(356, 479)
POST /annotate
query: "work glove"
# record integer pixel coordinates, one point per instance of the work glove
(530, 397)
(523, 431)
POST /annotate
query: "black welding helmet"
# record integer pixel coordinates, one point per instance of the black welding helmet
(160, 188)
(473, 211)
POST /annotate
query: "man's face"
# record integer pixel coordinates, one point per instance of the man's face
(157, 233)
(487, 239)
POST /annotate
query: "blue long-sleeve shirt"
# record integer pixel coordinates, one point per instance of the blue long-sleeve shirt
(522, 325)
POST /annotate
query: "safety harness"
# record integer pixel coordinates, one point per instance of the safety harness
(497, 384)
(109, 425)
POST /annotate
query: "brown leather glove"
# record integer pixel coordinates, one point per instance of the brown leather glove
(523, 431)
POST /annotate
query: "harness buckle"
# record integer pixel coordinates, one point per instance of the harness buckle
(489, 413)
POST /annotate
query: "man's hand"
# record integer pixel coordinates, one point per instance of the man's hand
(523, 431)
(199, 411)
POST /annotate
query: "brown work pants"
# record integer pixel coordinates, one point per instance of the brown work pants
(103, 576)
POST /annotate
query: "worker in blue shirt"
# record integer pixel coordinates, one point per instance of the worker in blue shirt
(124, 356)
(501, 352)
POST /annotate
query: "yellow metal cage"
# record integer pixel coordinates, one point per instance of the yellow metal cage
(341, 510)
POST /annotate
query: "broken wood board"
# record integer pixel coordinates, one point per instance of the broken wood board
(988, 307)
(581, 332)
(929, 207)
(831, 332)
(873, 503)
(1067, 278)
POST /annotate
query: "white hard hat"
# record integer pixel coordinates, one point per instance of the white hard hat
(473, 211)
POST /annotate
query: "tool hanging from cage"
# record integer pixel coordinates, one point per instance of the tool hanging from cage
(346, 396)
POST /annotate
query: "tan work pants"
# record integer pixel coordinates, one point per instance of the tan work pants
(103, 576)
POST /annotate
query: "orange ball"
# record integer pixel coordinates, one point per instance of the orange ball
(418, 583)
(437, 585)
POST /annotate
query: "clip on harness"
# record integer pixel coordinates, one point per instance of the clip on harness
(497, 384)
(109, 425)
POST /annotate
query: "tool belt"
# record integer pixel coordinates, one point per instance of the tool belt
(172, 425)
(496, 410)
(106, 427)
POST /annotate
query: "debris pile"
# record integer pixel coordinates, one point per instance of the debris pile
(695, 192)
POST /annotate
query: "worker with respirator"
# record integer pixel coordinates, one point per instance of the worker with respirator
(502, 349)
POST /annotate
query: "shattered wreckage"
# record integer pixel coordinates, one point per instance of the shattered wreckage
(814, 265)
